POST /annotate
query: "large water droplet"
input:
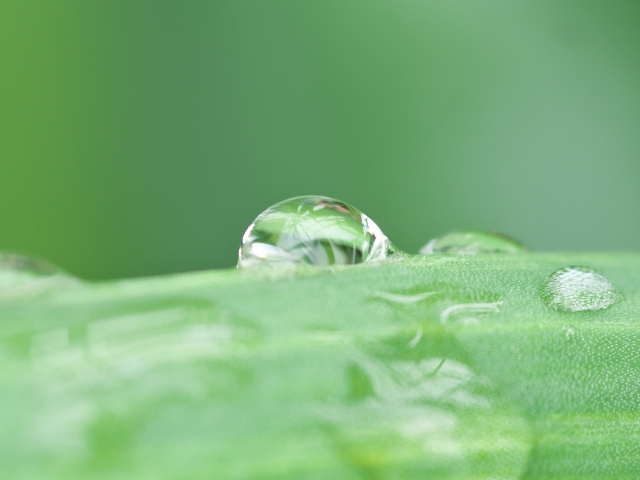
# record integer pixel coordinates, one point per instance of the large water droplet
(575, 289)
(314, 230)
(21, 274)
(472, 242)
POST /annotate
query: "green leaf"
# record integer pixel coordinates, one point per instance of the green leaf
(437, 366)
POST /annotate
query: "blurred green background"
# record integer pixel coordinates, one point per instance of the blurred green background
(142, 137)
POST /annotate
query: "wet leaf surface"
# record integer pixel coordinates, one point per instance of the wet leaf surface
(438, 366)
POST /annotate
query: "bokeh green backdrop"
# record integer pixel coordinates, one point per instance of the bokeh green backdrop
(142, 137)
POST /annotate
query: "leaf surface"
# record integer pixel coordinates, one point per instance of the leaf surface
(438, 366)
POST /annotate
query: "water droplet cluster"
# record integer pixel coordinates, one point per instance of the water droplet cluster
(577, 288)
(323, 231)
(312, 230)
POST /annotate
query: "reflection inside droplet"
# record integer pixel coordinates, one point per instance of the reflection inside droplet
(578, 288)
(313, 230)
(472, 242)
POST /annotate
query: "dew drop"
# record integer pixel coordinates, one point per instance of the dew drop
(313, 230)
(577, 288)
(472, 242)
(22, 273)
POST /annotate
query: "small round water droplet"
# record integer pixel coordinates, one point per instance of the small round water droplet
(472, 242)
(575, 289)
(20, 273)
(313, 230)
